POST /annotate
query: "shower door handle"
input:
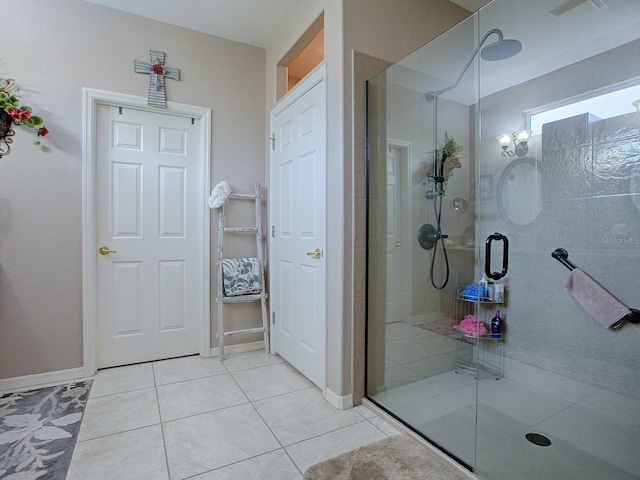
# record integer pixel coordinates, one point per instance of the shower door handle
(505, 256)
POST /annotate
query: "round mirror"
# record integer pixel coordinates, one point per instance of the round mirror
(520, 191)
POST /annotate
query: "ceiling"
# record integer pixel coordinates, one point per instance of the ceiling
(549, 39)
(255, 22)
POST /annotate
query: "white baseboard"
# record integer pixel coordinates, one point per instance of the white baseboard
(16, 384)
(340, 402)
(239, 348)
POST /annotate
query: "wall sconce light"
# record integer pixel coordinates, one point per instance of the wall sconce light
(519, 140)
(637, 105)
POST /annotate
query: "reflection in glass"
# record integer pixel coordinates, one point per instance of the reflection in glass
(565, 378)
(520, 192)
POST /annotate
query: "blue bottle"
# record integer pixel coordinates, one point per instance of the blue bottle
(496, 325)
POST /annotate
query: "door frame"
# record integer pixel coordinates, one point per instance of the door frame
(406, 151)
(317, 75)
(91, 99)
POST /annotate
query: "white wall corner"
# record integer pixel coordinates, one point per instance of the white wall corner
(340, 402)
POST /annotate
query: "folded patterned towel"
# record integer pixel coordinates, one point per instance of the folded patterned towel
(241, 276)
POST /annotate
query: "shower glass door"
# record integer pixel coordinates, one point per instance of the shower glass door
(422, 251)
(568, 405)
(557, 394)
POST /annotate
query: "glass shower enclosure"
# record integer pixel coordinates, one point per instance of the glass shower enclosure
(515, 136)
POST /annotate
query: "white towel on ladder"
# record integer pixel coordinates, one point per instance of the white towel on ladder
(219, 195)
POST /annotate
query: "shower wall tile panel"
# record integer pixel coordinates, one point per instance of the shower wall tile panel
(616, 154)
(567, 133)
(621, 128)
(566, 173)
(591, 206)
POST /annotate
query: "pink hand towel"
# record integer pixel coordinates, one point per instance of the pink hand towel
(599, 303)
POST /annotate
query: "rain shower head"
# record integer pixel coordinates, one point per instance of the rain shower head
(429, 235)
(501, 50)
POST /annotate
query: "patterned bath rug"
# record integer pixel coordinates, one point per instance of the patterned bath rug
(38, 431)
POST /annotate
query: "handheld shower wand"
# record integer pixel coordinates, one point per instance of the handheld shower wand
(429, 236)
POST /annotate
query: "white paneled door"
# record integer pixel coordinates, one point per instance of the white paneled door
(298, 218)
(399, 246)
(147, 191)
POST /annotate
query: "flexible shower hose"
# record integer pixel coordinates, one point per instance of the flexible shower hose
(437, 209)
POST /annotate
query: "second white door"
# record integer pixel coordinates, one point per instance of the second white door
(148, 288)
(298, 217)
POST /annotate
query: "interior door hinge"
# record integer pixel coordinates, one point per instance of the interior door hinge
(273, 231)
(273, 141)
(273, 318)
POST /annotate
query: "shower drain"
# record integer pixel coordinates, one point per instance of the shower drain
(538, 439)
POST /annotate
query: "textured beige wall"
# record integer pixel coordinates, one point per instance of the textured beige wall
(54, 49)
(388, 31)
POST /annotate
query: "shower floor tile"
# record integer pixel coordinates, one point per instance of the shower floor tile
(551, 384)
(436, 344)
(405, 351)
(517, 401)
(597, 436)
(501, 436)
(593, 437)
(404, 330)
(432, 366)
(400, 375)
(613, 407)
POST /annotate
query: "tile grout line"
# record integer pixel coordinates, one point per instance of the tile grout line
(267, 425)
(162, 422)
(164, 443)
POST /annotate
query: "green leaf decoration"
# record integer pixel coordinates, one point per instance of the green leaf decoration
(10, 103)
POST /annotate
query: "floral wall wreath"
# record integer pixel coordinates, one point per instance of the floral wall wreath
(13, 112)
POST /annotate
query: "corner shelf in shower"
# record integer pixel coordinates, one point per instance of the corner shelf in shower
(479, 354)
(484, 301)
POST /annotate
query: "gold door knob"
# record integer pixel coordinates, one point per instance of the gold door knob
(106, 251)
(317, 254)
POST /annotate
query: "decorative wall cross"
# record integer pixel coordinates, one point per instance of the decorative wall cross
(158, 72)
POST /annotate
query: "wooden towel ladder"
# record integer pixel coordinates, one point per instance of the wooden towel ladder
(262, 296)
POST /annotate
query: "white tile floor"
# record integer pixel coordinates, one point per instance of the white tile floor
(594, 432)
(253, 416)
